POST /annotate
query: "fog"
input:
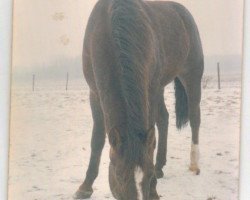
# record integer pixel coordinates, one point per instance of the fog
(48, 35)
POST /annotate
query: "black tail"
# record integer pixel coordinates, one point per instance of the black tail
(181, 104)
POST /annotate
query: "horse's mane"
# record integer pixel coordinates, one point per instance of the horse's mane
(131, 36)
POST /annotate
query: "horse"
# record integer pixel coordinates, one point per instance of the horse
(132, 50)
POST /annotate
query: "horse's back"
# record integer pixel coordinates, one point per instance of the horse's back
(172, 24)
(179, 36)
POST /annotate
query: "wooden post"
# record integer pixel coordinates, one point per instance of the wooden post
(67, 81)
(218, 72)
(33, 83)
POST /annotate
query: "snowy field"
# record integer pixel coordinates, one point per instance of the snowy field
(50, 145)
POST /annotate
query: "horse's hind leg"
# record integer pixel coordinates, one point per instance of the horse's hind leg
(162, 125)
(97, 143)
(194, 117)
(153, 192)
(192, 86)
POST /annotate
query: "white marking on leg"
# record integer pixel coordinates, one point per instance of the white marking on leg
(195, 156)
(138, 173)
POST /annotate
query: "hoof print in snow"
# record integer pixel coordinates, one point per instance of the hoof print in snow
(211, 198)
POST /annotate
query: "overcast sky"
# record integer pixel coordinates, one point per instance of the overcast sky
(44, 30)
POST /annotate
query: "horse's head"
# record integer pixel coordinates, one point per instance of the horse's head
(131, 164)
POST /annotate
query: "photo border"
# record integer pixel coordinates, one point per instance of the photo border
(5, 63)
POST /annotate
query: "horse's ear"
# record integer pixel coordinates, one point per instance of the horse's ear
(151, 136)
(114, 138)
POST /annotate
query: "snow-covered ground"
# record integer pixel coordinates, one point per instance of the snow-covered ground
(50, 145)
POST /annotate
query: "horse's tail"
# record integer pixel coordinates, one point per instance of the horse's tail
(181, 105)
(128, 26)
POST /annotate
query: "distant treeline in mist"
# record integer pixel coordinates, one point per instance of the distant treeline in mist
(57, 69)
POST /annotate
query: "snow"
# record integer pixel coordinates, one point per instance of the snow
(50, 145)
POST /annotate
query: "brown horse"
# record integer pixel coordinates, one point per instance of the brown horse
(132, 50)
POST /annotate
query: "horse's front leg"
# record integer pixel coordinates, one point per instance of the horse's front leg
(162, 125)
(97, 143)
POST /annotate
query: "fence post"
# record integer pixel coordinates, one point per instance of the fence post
(218, 72)
(67, 81)
(33, 83)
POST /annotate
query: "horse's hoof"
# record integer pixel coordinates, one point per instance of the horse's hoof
(159, 173)
(154, 196)
(83, 194)
(195, 169)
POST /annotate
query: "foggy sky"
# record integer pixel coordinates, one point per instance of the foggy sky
(45, 30)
